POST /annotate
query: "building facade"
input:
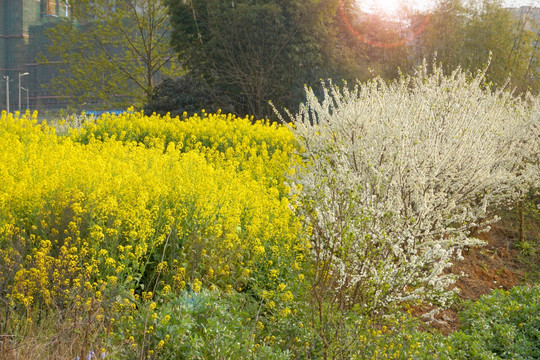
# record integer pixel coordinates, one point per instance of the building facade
(22, 37)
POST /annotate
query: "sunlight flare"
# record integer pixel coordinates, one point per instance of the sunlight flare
(393, 8)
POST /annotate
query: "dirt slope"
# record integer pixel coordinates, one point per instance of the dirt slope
(494, 266)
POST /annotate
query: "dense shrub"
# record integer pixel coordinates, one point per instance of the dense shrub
(187, 95)
(395, 178)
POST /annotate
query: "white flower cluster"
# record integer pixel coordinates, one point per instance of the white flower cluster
(397, 176)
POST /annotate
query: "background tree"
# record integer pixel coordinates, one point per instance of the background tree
(465, 34)
(443, 34)
(254, 51)
(112, 51)
(494, 29)
(461, 33)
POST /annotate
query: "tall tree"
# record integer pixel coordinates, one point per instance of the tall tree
(111, 51)
(465, 34)
(443, 34)
(253, 51)
(494, 29)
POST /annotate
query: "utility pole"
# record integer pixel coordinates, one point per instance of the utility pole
(7, 93)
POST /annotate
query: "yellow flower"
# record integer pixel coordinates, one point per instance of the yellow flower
(106, 197)
(273, 274)
(196, 285)
(287, 296)
(165, 320)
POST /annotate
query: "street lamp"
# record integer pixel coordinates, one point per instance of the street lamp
(21, 75)
(7, 93)
(27, 98)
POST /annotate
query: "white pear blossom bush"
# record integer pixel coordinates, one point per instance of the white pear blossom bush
(398, 176)
(534, 156)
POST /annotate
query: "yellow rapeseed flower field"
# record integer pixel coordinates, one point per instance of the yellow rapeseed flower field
(128, 207)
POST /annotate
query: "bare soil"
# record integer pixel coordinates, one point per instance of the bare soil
(494, 266)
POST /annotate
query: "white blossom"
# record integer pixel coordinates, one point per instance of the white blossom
(396, 176)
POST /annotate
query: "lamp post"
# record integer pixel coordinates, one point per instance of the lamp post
(27, 98)
(7, 93)
(20, 76)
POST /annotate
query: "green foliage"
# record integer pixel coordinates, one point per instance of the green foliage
(501, 325)
(461, 33)
(203, 325)
(444, 33)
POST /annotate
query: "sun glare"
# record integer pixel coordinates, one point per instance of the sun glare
(391, 11)
(392, 8)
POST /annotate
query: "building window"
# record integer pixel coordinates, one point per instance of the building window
(49, 8)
